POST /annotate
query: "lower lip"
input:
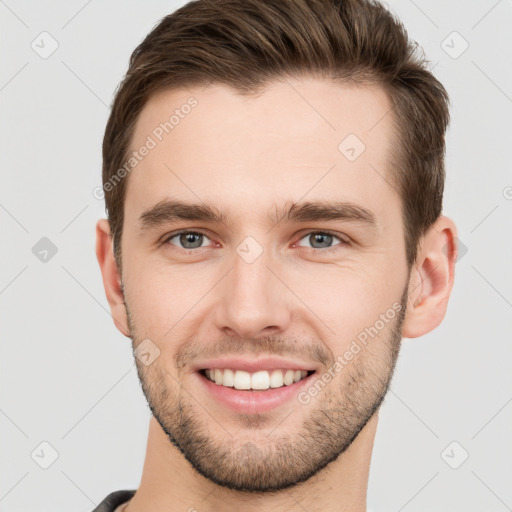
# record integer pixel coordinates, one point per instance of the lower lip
(253, 401)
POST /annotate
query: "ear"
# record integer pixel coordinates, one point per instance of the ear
(111, 276)
(432, 277)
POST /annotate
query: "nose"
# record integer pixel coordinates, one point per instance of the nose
(252, 301)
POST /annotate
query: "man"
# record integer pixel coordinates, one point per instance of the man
(273, 176)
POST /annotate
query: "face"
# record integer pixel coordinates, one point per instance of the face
(254, 241)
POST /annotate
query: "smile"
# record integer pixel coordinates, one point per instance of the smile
(260, 380)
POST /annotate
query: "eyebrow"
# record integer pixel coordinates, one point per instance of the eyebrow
(169, 210)
(324, 211)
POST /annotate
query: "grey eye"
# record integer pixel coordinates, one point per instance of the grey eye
(319, 240)
(189, 239)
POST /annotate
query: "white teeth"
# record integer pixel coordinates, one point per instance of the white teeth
(242, 380)
(288, 377)
(260, 380)
(228, 378)
(276, 379)
(263, 379)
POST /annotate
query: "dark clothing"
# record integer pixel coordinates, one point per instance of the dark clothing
(113, 500)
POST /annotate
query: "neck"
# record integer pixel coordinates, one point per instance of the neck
(169, 483)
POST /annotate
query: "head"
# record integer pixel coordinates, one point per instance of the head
(287, 203)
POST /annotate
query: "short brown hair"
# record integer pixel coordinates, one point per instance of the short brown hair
(245, 44)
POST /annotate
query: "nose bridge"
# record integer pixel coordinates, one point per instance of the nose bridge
(252, 301)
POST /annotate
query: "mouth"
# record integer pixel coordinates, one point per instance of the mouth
(253, 392)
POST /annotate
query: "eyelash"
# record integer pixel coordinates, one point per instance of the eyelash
(328, 250)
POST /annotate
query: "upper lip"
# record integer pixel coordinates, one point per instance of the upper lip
(254, 365)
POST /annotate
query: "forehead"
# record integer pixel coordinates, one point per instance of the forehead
(306, 138)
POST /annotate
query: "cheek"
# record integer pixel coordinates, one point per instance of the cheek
(347, 298)
(162, 296)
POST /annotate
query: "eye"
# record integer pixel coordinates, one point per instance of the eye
(322, 241)
(187, 239)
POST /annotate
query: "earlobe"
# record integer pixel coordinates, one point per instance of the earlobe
(432, 278)
(111, 276)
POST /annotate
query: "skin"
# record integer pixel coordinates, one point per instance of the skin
(244, 155)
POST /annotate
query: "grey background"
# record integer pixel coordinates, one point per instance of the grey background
(68, 377)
